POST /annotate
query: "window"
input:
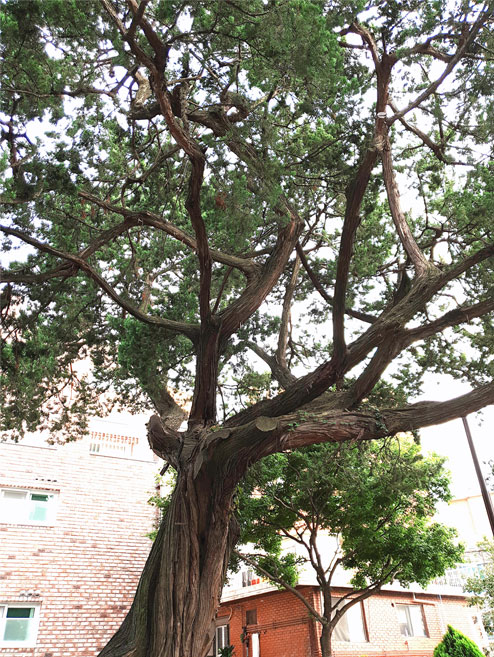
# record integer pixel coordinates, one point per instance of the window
(251, 617)
(18, 626)
(222, 638)
(24, 507)
(350, 627)
(110, 444)
(411, 620)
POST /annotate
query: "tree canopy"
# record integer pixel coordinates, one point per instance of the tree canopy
(376, 501)
(282, 209)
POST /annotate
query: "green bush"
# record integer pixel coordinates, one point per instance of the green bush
(456, 644)
(227, 651)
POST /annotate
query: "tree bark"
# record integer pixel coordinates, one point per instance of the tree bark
(325, 641)
(174, 607)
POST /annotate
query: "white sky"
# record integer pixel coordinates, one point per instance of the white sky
(450, 440)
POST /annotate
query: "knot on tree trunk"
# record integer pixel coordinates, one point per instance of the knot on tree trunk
(164, 441)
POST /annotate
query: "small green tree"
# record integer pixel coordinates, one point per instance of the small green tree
(456, 644)
(377, 499)
(482, 586)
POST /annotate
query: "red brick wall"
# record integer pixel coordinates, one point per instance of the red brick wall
(283, 623)
(286, 630)
(86, 567)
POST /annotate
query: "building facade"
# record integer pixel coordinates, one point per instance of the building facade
(262, 621)
(265, 622)
(73, 525)
(73, 541)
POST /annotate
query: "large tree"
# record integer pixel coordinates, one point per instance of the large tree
(176, 172)
(373, 500)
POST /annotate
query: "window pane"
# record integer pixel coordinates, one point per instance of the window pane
(16, 630)
(221, 637)
(405, 629)
(38, 509)
(13, 496)
(351, 626)
(417, 620)
(18, 624)
(38, 513)
(39, 498)
(255, 644)
(20, 612)
(356, 623)
(251, 617)
(341, 631)
(12, 505)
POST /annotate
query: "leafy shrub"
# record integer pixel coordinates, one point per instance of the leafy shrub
(227, 651)
(456, 644)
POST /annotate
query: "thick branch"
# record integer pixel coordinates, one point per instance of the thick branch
(164, 441)
(355, 195)
(260, 438)
(437, 149)
(384, 355)
(452, 318)
(257, 290)
(286, 315)
(386, 328)
(420, 263)
(281, 373)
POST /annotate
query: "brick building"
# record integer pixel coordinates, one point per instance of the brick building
(388, 624)
(73, 524)
(396, 622)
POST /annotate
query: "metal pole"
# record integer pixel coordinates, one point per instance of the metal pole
(485, 493)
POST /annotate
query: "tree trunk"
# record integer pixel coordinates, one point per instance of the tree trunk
(326, 635)
(173, 611)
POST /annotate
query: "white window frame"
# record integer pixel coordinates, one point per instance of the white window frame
(349, 615)
(410, 624)
(25, 507)
(34, 626)
(224, 632)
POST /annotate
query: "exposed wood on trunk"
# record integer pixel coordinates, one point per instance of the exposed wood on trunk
(286, 315)
(418, 259)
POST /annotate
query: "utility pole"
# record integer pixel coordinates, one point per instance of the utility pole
(485, 493)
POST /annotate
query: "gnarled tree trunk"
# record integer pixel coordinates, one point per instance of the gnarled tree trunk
(173, 611)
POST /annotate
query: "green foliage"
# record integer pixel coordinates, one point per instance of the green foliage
(378, 499)
(69, 134)
(162, 498)
(227, 651)
(482, 586)
(456, 644)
